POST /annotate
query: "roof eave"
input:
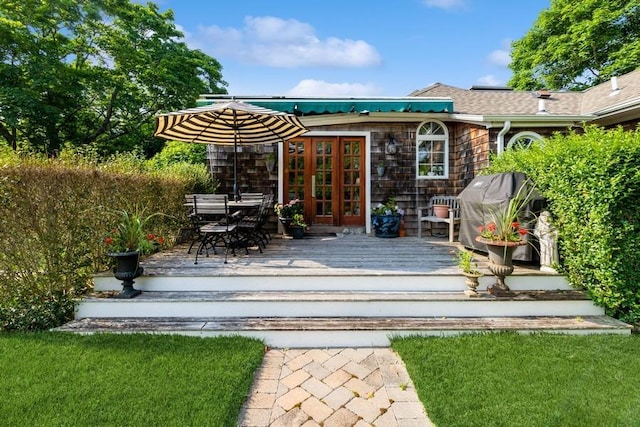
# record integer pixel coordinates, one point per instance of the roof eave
(537, 120)
(371, 117)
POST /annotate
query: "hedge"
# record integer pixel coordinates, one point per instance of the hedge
(592, 184)
(55, 214)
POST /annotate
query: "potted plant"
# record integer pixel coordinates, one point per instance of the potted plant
(297, 226)
(127, 241)
(502, 234)
(469, 268)
(271, 162)
(386, 218)
(286, 211)
(381, 169)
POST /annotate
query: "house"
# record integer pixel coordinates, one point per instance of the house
(431, 142)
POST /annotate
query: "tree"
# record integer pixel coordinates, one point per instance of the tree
(94, 72)
(578, 44)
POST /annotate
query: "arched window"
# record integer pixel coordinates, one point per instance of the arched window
(522, 140)
(432, 151)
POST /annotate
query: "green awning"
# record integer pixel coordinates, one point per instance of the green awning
(333, 106)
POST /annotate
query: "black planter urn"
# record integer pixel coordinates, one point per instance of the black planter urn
(127, 268)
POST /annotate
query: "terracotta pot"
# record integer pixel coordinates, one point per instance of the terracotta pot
(441, 211)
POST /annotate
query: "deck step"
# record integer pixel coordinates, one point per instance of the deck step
(275, 281)
(337, 304)
(290, 332)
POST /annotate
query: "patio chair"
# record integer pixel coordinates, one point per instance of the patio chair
(251, 227)
(204, 209)
(222, 232)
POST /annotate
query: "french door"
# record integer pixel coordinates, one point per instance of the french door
(327, 174)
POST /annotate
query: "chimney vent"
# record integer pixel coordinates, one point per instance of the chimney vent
(544, 94)
(541, 107)
(614, 84)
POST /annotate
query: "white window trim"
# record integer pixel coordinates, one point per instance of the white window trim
(444, 138)
(524, 134)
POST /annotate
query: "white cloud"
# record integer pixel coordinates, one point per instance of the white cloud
(445, 4)
(283, 43)
(319, 88)
(489, 80)
(501, 57)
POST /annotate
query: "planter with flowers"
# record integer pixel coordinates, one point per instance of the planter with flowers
(286, 212)
(386, 219)
(502, 234)
(297, 226)
(469, 268)
(128, 240)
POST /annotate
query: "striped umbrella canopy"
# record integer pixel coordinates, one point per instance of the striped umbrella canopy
(229, 123)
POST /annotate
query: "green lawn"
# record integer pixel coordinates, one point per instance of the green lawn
(58, 379)
(526, 380)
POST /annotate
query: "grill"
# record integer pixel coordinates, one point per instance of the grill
(490, 192)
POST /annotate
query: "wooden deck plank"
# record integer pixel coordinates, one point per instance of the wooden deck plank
(355, 254)
(468, 324)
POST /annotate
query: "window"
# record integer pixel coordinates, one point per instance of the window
(522, 140)
(432, 151)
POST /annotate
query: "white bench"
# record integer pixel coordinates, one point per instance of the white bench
(426, 214)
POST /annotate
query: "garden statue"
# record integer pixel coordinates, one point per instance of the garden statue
(548, 237)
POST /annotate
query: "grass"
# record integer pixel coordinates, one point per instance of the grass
(59, 379)
(526, 380)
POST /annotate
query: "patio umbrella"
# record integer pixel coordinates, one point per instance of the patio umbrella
(229, 123)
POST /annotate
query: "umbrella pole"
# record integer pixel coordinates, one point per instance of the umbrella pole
(236, 190)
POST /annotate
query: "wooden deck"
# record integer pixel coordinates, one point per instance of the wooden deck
(345, 254)
(339, 290)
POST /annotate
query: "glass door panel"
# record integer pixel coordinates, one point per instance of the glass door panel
(326, 173)
(323, 187)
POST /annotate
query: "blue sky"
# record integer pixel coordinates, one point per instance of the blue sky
(355, 47)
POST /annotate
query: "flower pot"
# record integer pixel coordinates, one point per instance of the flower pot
(381, 170)
(127, 268)
(441, 211)
(500, 262)
(296, 231)
(471, 280)
(271, 165)
(286, 224)
(386, 226)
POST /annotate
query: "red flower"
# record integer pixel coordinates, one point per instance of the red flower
(491, 227)
(150, 236)
(108, 240)
(515, 225)
(523, 231)
(161, 240)
(481, 228)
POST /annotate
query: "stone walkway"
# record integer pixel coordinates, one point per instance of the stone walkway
(340, 387)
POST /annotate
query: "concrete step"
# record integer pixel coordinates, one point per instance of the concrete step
(403, 282)
(308, 332)
(337, 304)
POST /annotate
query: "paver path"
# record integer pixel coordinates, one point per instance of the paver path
(340, 387)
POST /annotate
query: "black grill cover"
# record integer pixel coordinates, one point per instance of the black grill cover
(490, 192)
